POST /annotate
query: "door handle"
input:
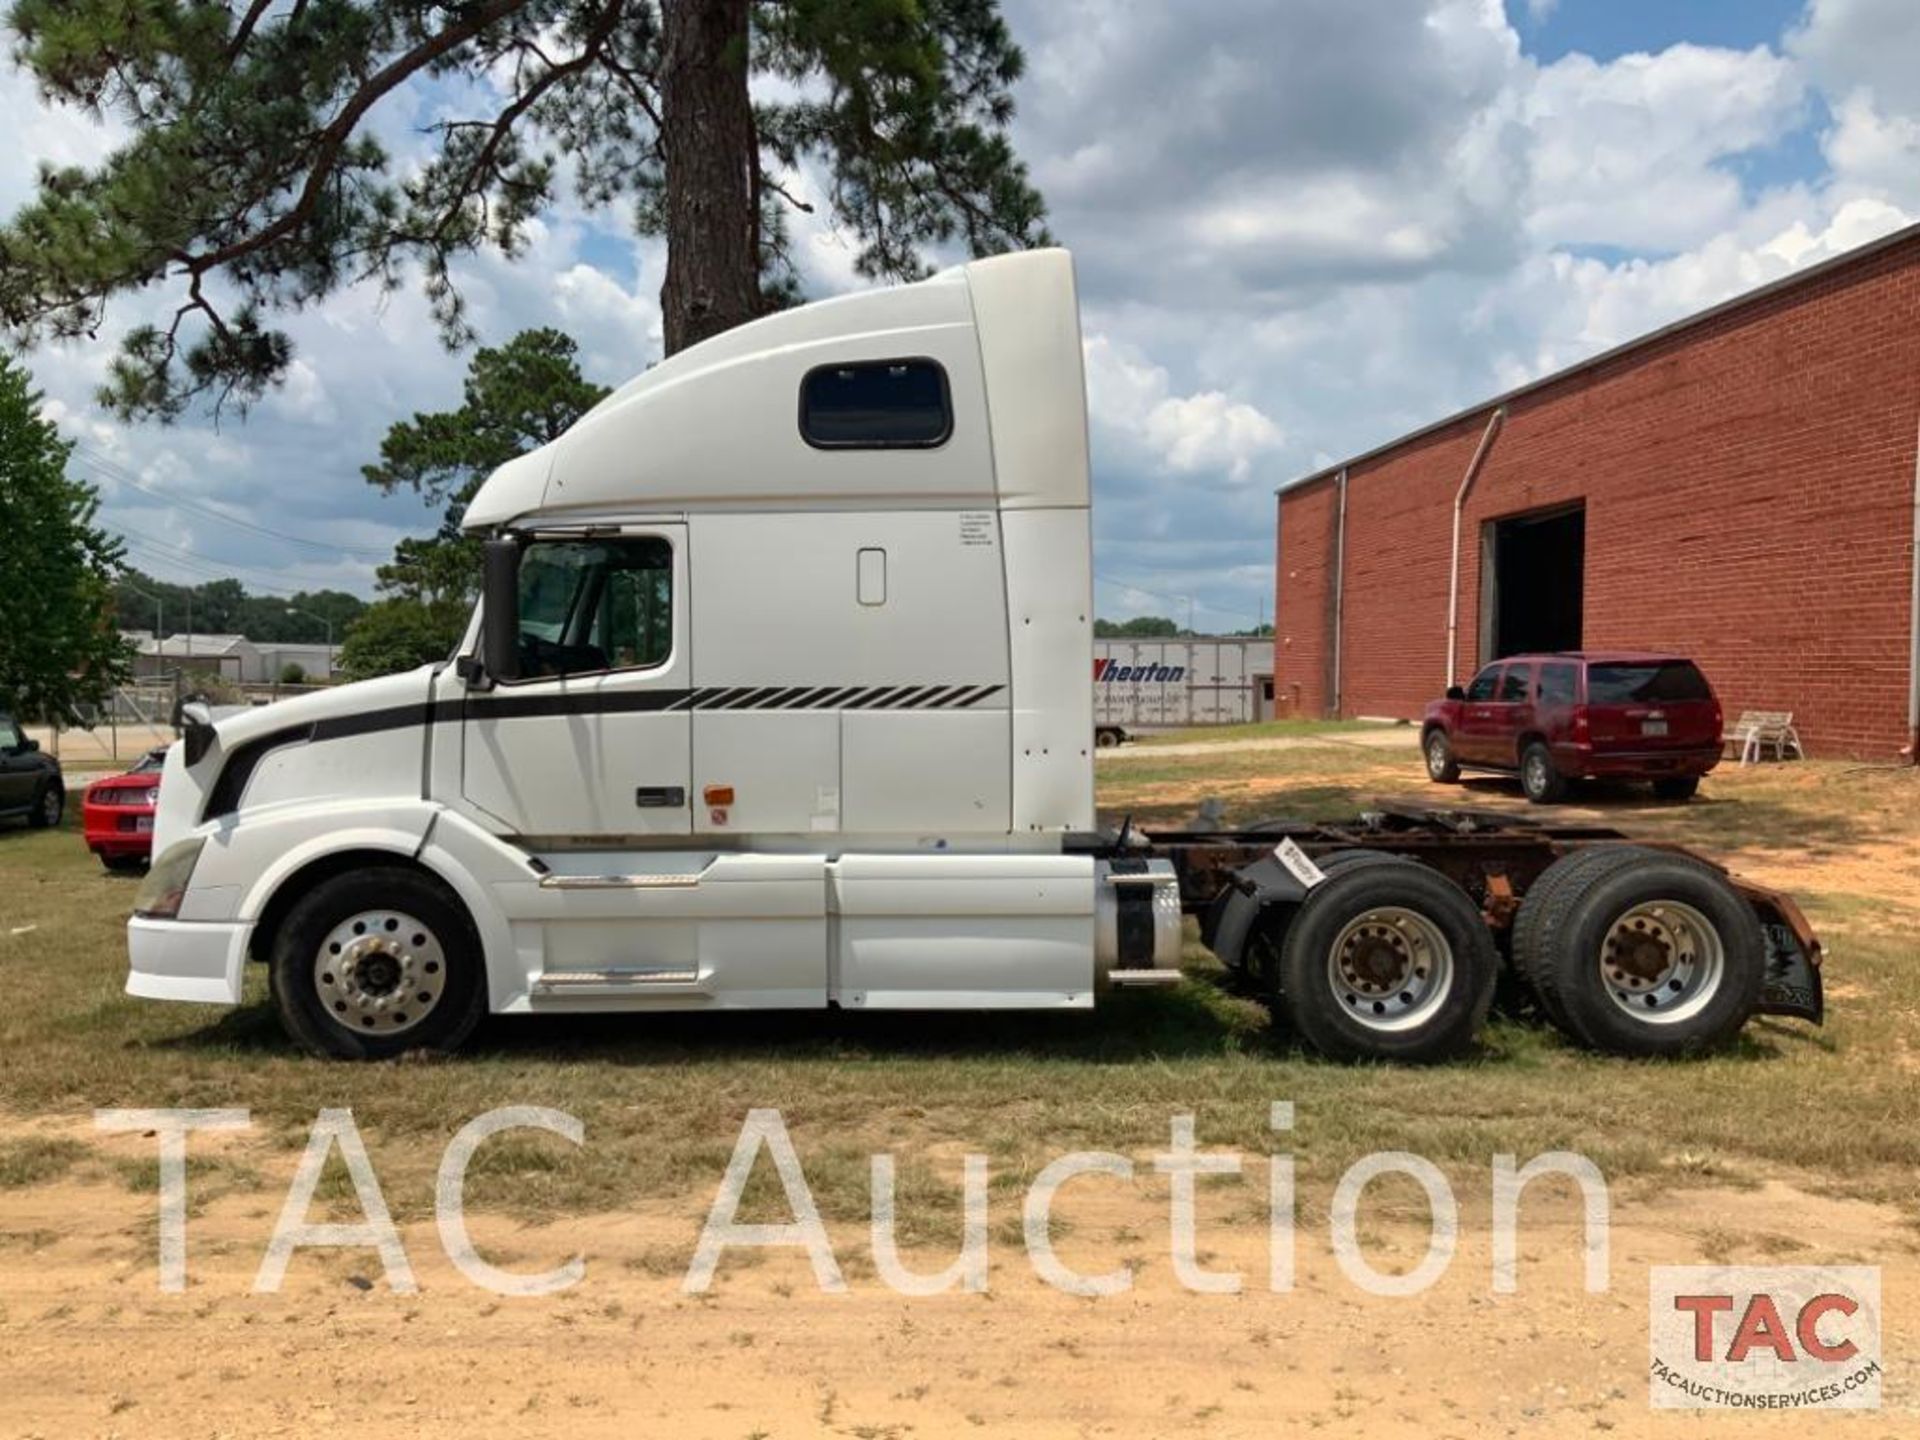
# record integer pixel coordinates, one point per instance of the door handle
(661, 797)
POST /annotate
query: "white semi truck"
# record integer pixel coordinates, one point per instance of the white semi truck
(776, 697)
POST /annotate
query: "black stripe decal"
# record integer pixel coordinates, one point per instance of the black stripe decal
(223, 798)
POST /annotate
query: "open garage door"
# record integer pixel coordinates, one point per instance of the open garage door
(1532, 582)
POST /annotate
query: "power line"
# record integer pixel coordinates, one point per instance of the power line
(1178, 599)
(209, 569)
(113, 473)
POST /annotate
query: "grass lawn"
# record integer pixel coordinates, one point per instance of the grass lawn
(662, 1096)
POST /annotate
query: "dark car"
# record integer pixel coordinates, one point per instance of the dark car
(1579, 715)
(117, 813)
(31, 787)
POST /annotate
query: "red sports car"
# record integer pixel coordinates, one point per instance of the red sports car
(117, 814)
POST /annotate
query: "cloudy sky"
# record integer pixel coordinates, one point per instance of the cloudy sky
(1302, 227)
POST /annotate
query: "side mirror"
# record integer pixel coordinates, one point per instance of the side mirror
(28, 745)
(500, 609)
(195, 721)
(1456, 692)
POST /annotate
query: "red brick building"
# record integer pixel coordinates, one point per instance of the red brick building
(1742, 487)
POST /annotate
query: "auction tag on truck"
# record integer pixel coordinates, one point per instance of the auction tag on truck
(1298, 865)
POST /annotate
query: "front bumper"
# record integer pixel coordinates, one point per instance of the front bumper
(194, 960)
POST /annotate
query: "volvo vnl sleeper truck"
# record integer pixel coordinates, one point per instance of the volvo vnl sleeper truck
(776, 697)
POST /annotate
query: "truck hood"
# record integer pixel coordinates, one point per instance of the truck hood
(184, 788)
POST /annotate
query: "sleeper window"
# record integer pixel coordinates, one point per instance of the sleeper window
(876, 405)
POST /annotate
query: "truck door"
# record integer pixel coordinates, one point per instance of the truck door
(593, 741)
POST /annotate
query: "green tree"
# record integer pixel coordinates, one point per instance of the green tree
(516, 399)
(399, 634)
(253, 182)
(1140, 627)
(59, 646)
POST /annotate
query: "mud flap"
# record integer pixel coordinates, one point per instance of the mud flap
(1793, 978)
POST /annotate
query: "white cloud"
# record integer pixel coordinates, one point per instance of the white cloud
(1301, 228)
(1186, 434)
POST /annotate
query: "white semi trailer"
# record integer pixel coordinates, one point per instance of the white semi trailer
(776, 697)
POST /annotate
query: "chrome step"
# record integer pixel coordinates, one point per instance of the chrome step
(619, 882)
(1144, 978)
(618, 980)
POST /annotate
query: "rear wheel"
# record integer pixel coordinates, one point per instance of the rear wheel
(1387, 960)
(1678, 787)
(377, 962)
(1540, 778)
(48, 806)
(1442, 768)
(1106, 737)
(1640, 952)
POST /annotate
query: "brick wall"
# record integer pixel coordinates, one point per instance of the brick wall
(1748, 485)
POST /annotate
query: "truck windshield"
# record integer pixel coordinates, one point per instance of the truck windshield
(1666, 681)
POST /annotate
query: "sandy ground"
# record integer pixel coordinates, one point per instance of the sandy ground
(88, 1346)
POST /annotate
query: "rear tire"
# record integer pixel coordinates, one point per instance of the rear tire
(1641, 952)
(48, 806)
(1682, 787)
(124, 864)
(1540, 778)
(1387, 960)
(350, 985)
(1442, 768)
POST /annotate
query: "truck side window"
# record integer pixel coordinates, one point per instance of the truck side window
(592, 605)
(876, 405)
(1556, 684)
(1514, 687)
(1484, 683)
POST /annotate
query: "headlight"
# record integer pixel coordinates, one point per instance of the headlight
(166, 883)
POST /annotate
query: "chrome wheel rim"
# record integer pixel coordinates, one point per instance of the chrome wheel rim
(1391, 968)
(1536, 775)
(1436, 756)
(1662, 962)
(380, 972)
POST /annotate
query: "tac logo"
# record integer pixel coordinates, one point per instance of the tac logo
(1764, 1337)
(1107, 672)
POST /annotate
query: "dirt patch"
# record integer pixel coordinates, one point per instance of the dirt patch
(91, 1347)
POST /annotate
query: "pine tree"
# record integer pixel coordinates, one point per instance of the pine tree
(253, 183)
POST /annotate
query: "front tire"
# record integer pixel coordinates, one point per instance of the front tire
(1442, 768)
(377, 962)
(1388, 961)
(1639, 952)
(1540, 778)
(48, 806)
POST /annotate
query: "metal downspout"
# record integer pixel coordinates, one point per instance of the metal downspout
(1494, 422)
(1339, 590)
(1913, 651)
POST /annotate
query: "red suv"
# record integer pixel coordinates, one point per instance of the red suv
(1579, 715)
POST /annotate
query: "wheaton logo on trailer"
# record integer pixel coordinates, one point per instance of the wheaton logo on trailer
(1107, 672)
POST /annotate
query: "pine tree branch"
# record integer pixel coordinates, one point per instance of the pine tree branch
(335, 136)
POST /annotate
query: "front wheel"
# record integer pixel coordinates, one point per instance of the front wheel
(377, 962)
(48, 806)
(1388, 961)
(1442, 768)
(1540, 778)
